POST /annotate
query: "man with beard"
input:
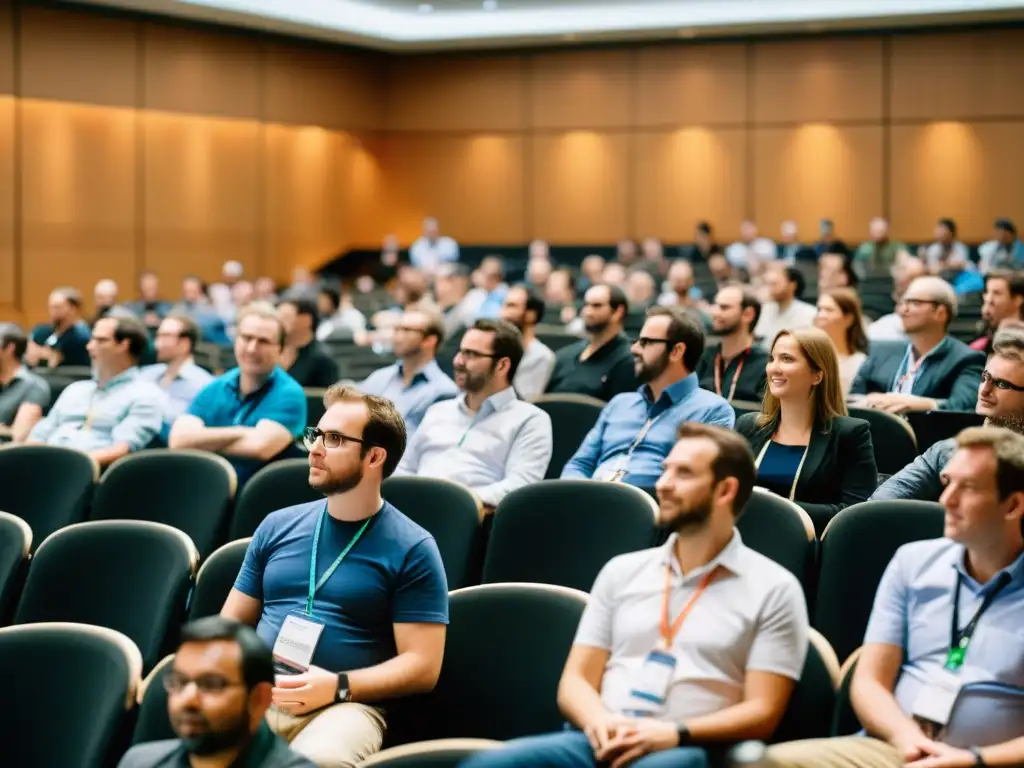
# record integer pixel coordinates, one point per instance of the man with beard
(351, 593)
(1004, 300)
(600, 365)
(487, 439)
(524, 308)
(636, 430)
(1000, 401)
(218, 689)
(735, 367)
(699, 641)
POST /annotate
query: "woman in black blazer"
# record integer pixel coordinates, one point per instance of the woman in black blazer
(808, 450)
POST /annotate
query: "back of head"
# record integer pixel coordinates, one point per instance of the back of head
(820, 353)
(13, 334)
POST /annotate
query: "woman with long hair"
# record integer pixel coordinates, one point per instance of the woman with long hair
(839, 315)
(808, 449)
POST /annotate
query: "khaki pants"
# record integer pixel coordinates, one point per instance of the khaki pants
(843, 752)
(338, 736)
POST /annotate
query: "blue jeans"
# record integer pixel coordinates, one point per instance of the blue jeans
(570, 749)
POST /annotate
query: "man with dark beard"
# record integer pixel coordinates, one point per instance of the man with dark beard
(218, 689)
(350, 593)
(697, 642)
(735, 367)
(636, 430)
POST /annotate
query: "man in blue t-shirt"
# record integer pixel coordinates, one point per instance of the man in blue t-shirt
(351, 593)
(252, 414)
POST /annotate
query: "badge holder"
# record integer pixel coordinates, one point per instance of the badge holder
(648, 694)
(296, 643)
(936, 700)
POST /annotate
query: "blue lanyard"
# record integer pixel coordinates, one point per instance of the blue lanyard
(314, 585)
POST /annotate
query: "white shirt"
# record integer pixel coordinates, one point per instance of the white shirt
(957, 254)
(749, 255)
(887, 328)
(428, 255)
(848, 367)
(534, 370)
(799, 314)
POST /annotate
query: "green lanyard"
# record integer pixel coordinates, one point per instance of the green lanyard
(314, 585)
(960, 639)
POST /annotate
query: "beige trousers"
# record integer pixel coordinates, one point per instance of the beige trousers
(338, 736)
(842, 752)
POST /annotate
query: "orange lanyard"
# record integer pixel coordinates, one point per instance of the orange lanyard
(669, 632)
(720, 371)
(912, 366)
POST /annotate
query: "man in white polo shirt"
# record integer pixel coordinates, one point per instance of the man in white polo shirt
(697, 642)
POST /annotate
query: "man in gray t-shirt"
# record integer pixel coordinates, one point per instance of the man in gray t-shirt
(23, 395)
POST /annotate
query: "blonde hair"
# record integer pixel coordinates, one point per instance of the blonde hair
(820, 353)
(266, 311)
(1008, 448)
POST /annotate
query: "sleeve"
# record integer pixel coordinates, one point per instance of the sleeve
(919, 480)
(621, 378)
(288, 410)
(858, 474)
(421, 597)
(722, 415)
(410, 463)
(527, 460)
(250, 576)
(780, 645)
(964, 394)
(888, 621)
(142, 422)
(325, 373)
(584, 462)
(202, 404)
(46, 426)
(38, 394)
(860, 381)
(595, 629)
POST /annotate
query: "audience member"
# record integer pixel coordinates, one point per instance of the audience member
(337, 315)
(150, 308)
(615, 273)
(415, 382)
(839, 315)
(1004, 250)
(219, 688)
(538, 272)
(176, 372)
(104, 298)
(652, 254)
(265, 289)
(221, 294)
(197, 305)
(1000, 401)
(538, 250)
(835, 270)
(372, 626)
(790, 249)
(785, 311)
(253, 413)
(938, 679)
(304, 357)
(486, 439)
(23, 395)
(591, 270)
(879, 254)
(1003, 300)
(890, 327)
(431, 249)
(934, 370)
(681, 289)
(750, 252)
(808, 449)
(735, 367)
(723, 272)
(626, 253)
(114, 413)
(63, 340)
(636, 430)
(303, 286)
(703, 244)
(489, 295)
(451, 289)
(644, 690)
(600, 365)
(827, 240)
(641, 288)
(524, 308)
(946, 254)
(385, 269)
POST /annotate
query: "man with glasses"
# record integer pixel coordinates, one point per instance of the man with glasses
(176, 373)
(253, 413)
(636, 430)
(487, 438)
(218, 688)
(934, 371)
(416, 381)
(1000, 401)
(351, 593)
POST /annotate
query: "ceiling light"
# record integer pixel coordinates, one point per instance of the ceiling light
(490, 5)
(425, 8)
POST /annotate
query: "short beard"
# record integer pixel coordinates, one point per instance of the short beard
(596, 328)
(212, 742)
(334, 487)
(728, 330)
(693, 519)
(649, 372)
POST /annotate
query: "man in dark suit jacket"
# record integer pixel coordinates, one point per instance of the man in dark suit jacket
(934, 371)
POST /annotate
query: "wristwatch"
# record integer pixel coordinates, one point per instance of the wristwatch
(684, 735)
(344, 693)
(978, 759)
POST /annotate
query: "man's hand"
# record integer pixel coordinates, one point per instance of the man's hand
(913, 746)
(938, 755)
(645, 736)
(301, 694)
(601, 731)
(894, 402)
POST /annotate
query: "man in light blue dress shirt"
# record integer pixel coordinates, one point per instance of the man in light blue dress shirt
(636, 430)
(940, 680)
(416, 381)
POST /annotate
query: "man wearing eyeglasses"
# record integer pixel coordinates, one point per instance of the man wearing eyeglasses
(1000, 401)
(934, 371)
(218, 688)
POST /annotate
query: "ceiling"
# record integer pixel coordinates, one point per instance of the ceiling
(434, 24)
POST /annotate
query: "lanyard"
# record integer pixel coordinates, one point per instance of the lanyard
(720, 369)
(912, 366)
(249, 405)
(799, 467)
(669, 631)
(314, 585)
(960, 639)
(621, 472)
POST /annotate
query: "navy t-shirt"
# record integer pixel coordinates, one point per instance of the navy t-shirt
(393, 575)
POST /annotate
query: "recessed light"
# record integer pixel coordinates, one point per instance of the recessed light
(425, 8)
(490, 5)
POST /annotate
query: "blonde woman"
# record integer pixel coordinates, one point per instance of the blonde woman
(839, 315)
(808, 449)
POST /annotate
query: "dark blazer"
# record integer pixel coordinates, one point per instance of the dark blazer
(839, 469)
(950, 374)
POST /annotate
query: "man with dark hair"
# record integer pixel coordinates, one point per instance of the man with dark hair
(337, 314)
(218, 689)
(23, 394)
(1004, 250)
(150, 308)
(524, 308)
(699, 641)
(735, 367)
(600, 365)
(303, 356)
(114, 413)
(487, 438)
(176, 372)
(785, 311)
(372, 626)
(1003, 300)
(62, 341)
(947, 256)
(835, 270)
(636, 430)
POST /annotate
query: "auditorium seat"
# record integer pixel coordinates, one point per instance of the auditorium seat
(564, 531)
(15, 545)
(189, 490)
(67, 692)
(782, 531)
(891, 438)
(153, 722)
(503, 658)
(933, 426)
(844, 720)
(572, 417)
(28, 490)
(741, 407)
(128, 575)
(278, 485)
(215, 579)
(450, 513)
(438, 753)
(856, 547)
(809, 713)
(314, 404)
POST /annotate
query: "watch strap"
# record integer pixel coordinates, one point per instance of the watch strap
(344, 693)
(978, 758)
(684, 735)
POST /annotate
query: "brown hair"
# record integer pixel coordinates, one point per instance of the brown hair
(820, 353)
(1008, 343)
(849, 304)
(189, 328)
(265, 310)
(684, 327)
(385, 427)
(734, 459)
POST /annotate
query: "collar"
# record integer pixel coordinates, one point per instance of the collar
(729, 558)
(676, 393)
(429, 371)
(495, 402)
(606, 349)
(937, 351)
(234, 379)
(123, 377)
(1014, 569)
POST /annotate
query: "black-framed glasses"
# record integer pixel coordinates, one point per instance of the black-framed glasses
(176, 682)
(472, 354)
(645, 341)
(1003, 384)
(331, 439)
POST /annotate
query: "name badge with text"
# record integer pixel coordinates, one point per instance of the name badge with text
(936, 700)
(296, 642)
(651, 687)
